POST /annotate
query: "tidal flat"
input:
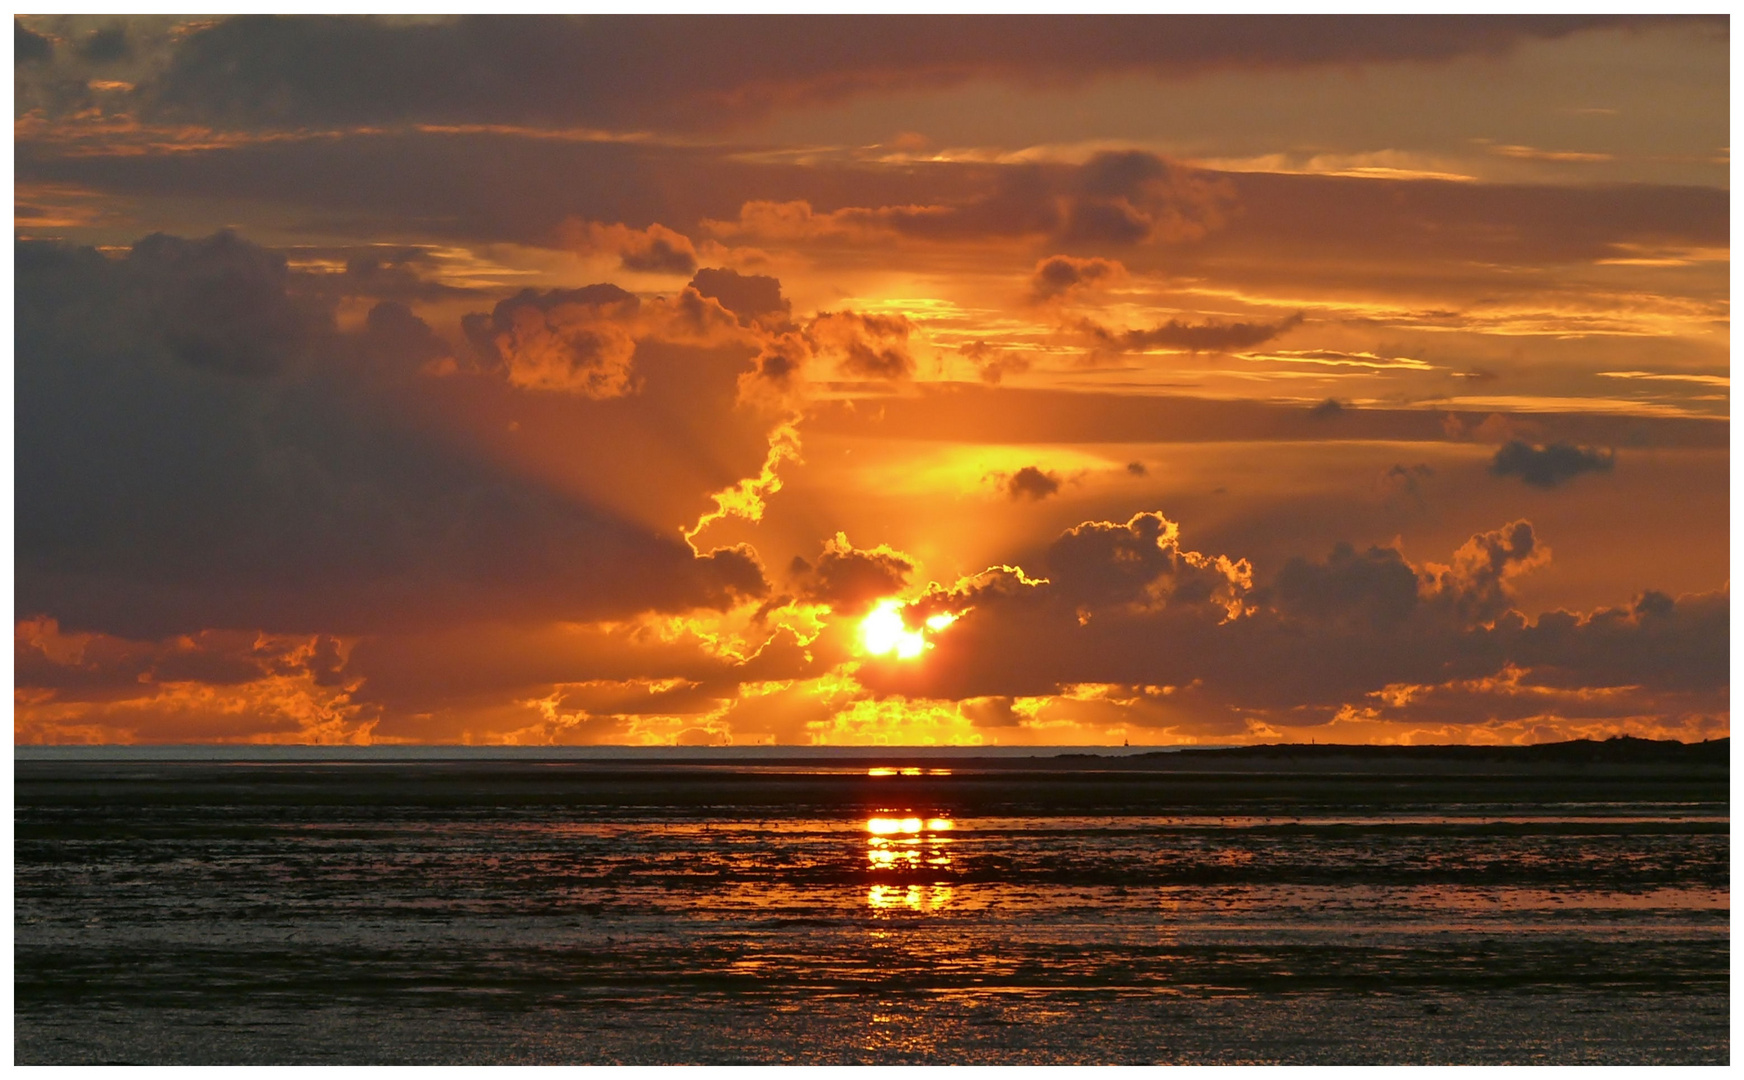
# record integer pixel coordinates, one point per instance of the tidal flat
(1302, 906)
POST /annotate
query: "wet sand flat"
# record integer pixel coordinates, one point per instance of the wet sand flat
(897, 908)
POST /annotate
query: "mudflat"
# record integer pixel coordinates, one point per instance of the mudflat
(1564, 904)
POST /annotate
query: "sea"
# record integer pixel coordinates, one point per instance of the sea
(913, 906)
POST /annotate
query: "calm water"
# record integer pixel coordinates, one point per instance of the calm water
(1000, 912)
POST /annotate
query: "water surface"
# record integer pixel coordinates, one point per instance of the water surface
(884, 910)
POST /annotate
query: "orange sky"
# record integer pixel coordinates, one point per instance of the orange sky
(1200, 379)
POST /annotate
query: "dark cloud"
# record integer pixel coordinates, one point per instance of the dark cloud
(864, 346)
(1405, 482)
(1328, 409)
(197, 447)
(1131, 197)
(1475, 585)
(106, 45)
(221, 303)
(1016, 415)
(1031, 483)
(1061, 275)
(393, 333)
(28, 46)
(1362, 633)
(1682, 643)
(754, 298)
(1549, 466)
(993, 364)
(850, 579)
(1375, 588)
(1433, 230)
(1141, 562)
(577, 341)
(99, 666)
(991, 712)
(652, 250)
(503, 185)
(1137, 468)
(703, 71)
(386, 273)
(1113, 199)
(1174, 334)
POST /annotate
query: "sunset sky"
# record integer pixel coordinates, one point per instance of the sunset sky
(905, 381)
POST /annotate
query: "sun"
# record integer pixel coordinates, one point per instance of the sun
(883, 633)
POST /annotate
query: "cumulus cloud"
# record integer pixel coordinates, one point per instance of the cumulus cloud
(1476, 583)
(1549, 466)
(655, 249)
(576, 340)
(864, 346)
(198, 447)
(753, 298)
(1374, 588)
(1125, 605)
(790, 359)
(1141, 563)
(849, 578)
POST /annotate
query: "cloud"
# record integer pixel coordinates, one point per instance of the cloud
(754, 298)
(1116, 198)
(1033, 415)
(198, 446)
(1031, 483)
(387, 273)
(1140, 563)
(102, 665)
(992, 712)
(792, 359)
(703, 72)
(221, 304)
(579, 341)
(864, 346)
(1549, 466)
(991, 363)
(653, 250)
(1132, 197)
(1386, 238)
(849, 579)
(106, 46)
(29, 47)
(1127, 606)
(1405, 482)
(1476, 583)
(1374, 588)
(1174, 334)
(1060, 276)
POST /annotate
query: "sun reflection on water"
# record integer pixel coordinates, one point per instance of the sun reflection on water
(912, 897)
(885, 770)
(909, 843)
